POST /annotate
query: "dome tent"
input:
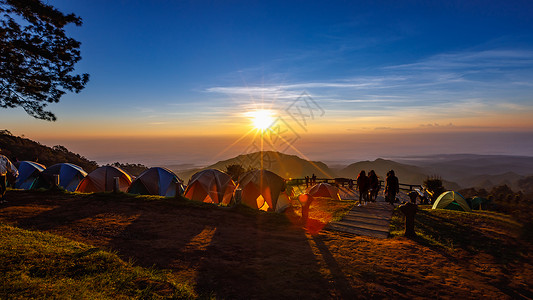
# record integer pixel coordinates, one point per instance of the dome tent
(477, 202)
(261, 189)
(29, 175)
(102, 180)
(157, 181)
(70, 175)
(324, 190)
(211, 186)
(451, 200)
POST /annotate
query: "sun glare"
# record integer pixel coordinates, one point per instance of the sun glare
(262, 119)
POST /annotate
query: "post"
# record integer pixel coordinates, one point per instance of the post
(237, 196)
(116, 186)
(409, 209)
(178, 190)
(305, 201)
(56, 181)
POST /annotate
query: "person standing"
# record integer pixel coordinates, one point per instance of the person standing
(362, 184)
(373, 183)
(392, 187)
(5, 166)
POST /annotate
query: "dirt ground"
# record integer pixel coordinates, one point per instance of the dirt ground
(238, 254)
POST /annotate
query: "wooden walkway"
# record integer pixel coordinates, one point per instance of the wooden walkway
(372, 219)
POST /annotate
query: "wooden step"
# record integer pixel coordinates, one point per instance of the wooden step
(372, 219)
(375, 221)
(358, 231)
(364, 225)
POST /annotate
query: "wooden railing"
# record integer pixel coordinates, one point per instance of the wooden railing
(347, 182)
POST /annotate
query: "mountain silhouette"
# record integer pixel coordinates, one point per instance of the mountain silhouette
(285, 165)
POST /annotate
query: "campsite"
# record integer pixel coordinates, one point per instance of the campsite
(219, 252)
(260, 237)
(266, 149)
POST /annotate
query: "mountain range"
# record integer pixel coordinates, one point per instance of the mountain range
(457, 171)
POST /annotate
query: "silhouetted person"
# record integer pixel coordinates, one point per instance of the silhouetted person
(5, 167)
(392, 187)
(305, 201)
(313, 179)
(306, 181)
(362, 184)
(373, 183)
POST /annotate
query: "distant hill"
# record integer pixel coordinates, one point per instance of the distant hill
(510, 179)
(407, 174)
(18, 148)
(471, 170)
(286, 166)
(465, 165)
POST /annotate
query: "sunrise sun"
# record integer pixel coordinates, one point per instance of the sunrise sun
(262, 119)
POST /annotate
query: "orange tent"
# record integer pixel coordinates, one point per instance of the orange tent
(324, 190)
(261, 189)
(102, 180)
(211, 186)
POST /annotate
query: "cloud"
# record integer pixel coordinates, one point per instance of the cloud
(437, 91)
(472, 60)
(449, 125)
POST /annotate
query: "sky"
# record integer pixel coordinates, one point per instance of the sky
(176, 82)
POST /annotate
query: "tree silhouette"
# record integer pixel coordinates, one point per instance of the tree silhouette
(235, 170)
(36, 57)
(434, 186)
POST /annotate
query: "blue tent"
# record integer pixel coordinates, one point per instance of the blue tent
(157, 181)
(29, 175)
(70, 175)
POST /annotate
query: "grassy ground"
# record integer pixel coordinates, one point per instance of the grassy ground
(186, 249)
(42, 265)
(471, 231)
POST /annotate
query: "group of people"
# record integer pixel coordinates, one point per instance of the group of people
(370, 185)
(310, 181)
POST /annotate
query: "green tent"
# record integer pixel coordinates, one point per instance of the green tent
(451, 200)
(478, 202)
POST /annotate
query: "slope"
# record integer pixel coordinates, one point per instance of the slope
(19, 148)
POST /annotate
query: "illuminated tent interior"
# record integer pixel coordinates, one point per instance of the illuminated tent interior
(324, 190)
(157, 181)
(102, 180)
(211, 186)
(261, 189)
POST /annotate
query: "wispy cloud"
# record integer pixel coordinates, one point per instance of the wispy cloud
(469, 81)
(472, 60)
